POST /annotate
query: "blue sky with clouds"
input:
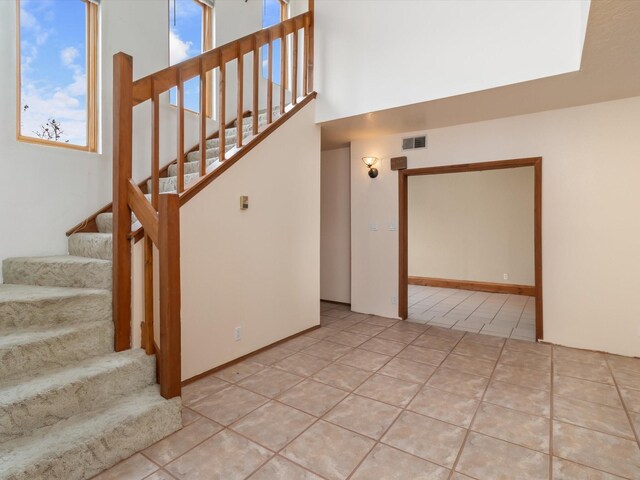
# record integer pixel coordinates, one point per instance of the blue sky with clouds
(53, 66)
(185, 41)
(271, 16)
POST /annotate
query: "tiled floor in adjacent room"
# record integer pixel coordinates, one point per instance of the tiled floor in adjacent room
(372, 398)
(498, 314)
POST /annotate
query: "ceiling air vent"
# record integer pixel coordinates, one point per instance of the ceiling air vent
(414, 142)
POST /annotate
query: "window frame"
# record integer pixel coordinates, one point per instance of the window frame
(207, 44)
(91, 65)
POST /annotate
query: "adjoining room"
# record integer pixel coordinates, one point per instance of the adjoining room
(471, 249)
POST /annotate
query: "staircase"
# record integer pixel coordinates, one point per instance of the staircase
(70, 406)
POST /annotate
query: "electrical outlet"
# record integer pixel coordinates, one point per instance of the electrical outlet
(394, 300)
(237, 334)
(505, 276)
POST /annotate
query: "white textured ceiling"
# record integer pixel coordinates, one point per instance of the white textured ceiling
(610, 69)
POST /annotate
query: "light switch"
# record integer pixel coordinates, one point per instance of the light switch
(393, 226)
(373, 227)
(244, 202)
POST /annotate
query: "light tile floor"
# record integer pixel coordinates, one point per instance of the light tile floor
(374, 398)
(499, 314)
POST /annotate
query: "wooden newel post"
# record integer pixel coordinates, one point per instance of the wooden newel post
(122, 153)
(170, 336)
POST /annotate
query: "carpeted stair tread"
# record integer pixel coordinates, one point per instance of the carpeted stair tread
(26, 306)
(45, 348)
(31, 402)
(58, 271)
(85, 444)
(91, 245)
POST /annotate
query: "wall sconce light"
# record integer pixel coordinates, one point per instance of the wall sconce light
(370, 162)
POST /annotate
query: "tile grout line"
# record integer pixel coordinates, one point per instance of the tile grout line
(468, 432)
(584, 427)
(317, 419)
(227, 427)
(402, 410)
(624, 405)
(551, 412)
(475, 309)
(351, 392)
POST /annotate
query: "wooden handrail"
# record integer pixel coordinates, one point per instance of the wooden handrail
(190, 68)
(160, 216)
(144, 211)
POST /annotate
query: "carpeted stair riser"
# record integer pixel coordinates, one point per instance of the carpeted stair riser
(229, 142)
(213, 151)
(91, 245)
(30, 351)
(58, 271)
(104, 221)
(41, 401)
(189, 167)
(26, 306)
(83, 446)
(169, 184)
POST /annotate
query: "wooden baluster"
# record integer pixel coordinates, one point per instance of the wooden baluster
(147, 331)
(284, 13)
(305, 53)
(310, 61)
(170, 329)
(122, 155)
(270, 83)
(239, 122)
(256, 66)
(203, 119)
(222, 117)
(155, 145)
(180, 142)
(294, 66)
(283, 70)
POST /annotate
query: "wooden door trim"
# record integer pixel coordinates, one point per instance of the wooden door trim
(403, 269)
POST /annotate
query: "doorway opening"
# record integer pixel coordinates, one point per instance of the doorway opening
(478, 295)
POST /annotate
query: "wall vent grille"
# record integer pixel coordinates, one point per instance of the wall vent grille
(413, 143)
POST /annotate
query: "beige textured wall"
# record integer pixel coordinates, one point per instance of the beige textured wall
(590, 221)
(335, 226)
(259, 268)
(473, 226)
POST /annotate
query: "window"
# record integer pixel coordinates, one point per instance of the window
(272, 13)
(57, 73)
(190, 34)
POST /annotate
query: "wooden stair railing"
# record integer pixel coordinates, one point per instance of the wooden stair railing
(160, 217)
